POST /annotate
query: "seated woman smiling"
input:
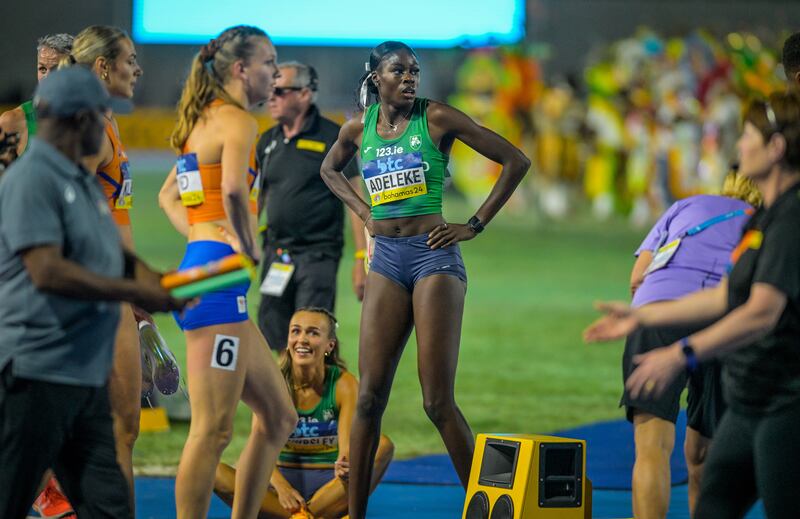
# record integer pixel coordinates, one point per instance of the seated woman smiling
(311, 477)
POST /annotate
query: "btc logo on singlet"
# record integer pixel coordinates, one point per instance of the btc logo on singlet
(394, 175)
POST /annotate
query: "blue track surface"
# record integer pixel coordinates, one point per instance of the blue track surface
(427, 487)
(610, 455)
(155, 500)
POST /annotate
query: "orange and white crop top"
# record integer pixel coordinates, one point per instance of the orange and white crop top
(200, 186)
(115, 178)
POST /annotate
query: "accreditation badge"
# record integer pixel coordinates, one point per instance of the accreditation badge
(255, 185)
(125, 196)
(190, 183)
(394, 178)
(277, 279)
(662, 256)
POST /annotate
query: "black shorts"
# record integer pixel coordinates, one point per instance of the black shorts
(705, 400)
(312, 284)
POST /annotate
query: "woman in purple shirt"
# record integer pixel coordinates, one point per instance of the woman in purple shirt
(708, 227)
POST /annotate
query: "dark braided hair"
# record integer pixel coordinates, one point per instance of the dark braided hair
(376, 57)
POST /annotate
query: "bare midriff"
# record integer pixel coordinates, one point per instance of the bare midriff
(407, 226)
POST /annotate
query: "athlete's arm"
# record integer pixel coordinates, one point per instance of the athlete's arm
(241, 132)
(346, 396)
(342, 151)
(360, 243)
(169, 199)
(288, 496)
(446, 123)
(103, 157)
(51, 272)
(637, 273)
(12, 122)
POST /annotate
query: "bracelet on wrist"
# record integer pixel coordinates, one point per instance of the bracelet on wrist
(360, 254)
(689, 355)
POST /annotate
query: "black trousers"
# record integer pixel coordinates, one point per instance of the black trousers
(313, 284)
(66, 428)
(752, 457)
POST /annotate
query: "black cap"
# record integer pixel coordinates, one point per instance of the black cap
(69, 90)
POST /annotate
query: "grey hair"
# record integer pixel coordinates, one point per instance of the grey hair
(304, 76)
(61, 43)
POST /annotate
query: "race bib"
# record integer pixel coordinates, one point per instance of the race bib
(394, 178)
(225, 352)
(277, 279)
(254, 185)
(125, 197)
(662, 256)
(190, 183)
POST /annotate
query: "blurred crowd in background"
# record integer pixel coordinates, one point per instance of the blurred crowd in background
(651, 120)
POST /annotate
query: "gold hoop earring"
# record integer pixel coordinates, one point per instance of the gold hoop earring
(104, 77)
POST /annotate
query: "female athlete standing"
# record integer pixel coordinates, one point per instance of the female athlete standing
(109, 53)
(209, 197)
(416, 278)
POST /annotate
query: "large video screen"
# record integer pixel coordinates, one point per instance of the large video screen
(335, 23)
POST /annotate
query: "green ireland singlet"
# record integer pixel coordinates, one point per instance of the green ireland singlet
(405, 175)
(315, 440)
(30, 121)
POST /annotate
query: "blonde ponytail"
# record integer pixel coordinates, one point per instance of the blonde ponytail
(210, 70)
(95, 41)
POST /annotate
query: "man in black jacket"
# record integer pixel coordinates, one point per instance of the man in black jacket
(305, 220)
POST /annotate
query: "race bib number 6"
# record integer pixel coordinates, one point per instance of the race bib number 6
(225, 352)
(394, 178)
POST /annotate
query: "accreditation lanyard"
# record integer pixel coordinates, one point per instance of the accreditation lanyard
(665, 252)
(278, 275)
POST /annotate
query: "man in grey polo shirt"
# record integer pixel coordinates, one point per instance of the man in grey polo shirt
(62, 273)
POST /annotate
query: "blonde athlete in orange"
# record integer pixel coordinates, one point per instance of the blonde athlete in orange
(109, 53)
(208, 198)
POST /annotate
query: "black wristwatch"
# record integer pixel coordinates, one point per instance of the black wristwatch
(688, 352)
(475, 224)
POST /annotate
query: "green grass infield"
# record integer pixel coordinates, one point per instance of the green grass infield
(523, 367)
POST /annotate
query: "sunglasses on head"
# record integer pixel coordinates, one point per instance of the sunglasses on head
(281, 91)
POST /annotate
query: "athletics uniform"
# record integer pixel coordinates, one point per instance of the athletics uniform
(755, 451)
(115, 179)
(307, 459)
(405, 177)
(30, 122)
(200, 187)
